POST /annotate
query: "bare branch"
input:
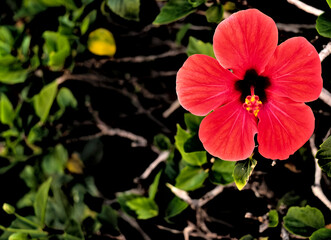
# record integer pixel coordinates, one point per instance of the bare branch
(325, 96)
(161, 158)
(316, 188)
(173, 107)
(137, 141)
(305, 7)
(134, 224)
(325, 52)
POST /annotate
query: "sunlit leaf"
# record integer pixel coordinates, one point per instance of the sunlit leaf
(196, 46)
(273, 218)
(128, 9)
(196, 3)
(191, 178)
(145, 208)
(87, 21)
(41, 200)
(242, 171)
(43, 101)
(154, 186)
(329, 2)
(101, 42)
(173, 11)
(321, 234)
(56, 50)
(194, 158)
(303, 221)
(7, 113)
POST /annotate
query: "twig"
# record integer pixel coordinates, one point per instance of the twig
(137, 141)
(325, 52)
(316, 188)
(305, 7)
(284, 234)
(292, 27)
(325, 96)
(173, 107)
(161, 158)
(134, 224)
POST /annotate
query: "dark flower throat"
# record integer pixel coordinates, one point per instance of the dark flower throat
(252, 79)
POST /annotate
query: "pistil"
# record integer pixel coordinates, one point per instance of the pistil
(252, 103)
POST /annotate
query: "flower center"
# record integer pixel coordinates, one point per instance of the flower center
(252, 80)
(253, 104)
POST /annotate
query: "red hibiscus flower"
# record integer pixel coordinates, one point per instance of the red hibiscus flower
(252, 87)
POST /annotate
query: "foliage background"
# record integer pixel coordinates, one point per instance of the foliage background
(79, 128)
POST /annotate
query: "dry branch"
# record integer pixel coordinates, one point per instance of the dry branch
(305, 7)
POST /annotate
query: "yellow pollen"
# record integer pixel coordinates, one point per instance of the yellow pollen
(253, 104)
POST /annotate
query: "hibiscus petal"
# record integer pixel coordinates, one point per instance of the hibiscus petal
(203, 85)
(295, 71)
(228, 132)
(245, 40)
(284, 127)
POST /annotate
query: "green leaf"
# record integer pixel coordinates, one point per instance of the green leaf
(242, 171)
(162, 142)
(323, 24)
(273, 218)
(41, 200)
(192, 122)
(42, 102)
(28, 175)
(108, 217)
(70, 4)
(128, 9)
(329, 2)
(7, 113)
(145, 208)
(19, 236)
(214, 14)
(173, 11)
(196, 46)
(247, 237)
(12, 74)
(175, 207)
(87, 21)
(191, 178)
(196, 3)
(56, 50)
(65, 99)
(194, 158)
(125, 197)
(303, 221)
(222, 171)
(55, 162)
(73, 228)
(153, 187)
(6, 40)
(182, 32)
(321, 234)
(324, 156)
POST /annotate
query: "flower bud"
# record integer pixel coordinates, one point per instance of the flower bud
(9, 209)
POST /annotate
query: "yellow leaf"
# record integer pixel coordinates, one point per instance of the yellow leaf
(101, 42)
(75, 164)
